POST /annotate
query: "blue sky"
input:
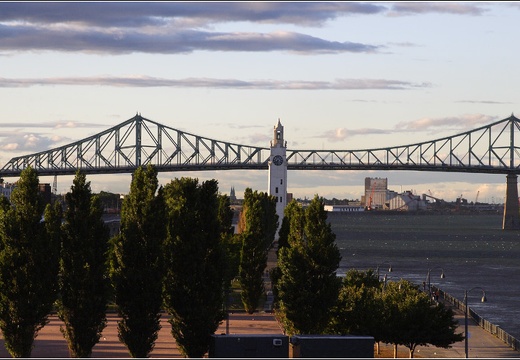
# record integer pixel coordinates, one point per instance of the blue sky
(339, 75)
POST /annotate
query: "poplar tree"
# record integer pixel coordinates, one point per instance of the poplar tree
(83, 280)
(136, 263)
(29, 248)
(308, 287)
(258, 224)
(195, 261)
(292, 213)
(229, 241)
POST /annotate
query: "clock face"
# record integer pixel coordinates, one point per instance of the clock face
(278, 160)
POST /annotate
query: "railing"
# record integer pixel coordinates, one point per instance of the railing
(483, 323)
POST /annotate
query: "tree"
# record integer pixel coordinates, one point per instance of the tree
(285, 229)
(29, 250)
(195, 262)
(415, 320)
(359, 307)
(229, 242)
(293, 213)
(308, 287)
(136, 263)
(83, 280)
(258, 225)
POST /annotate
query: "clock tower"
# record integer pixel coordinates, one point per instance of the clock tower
(278, 172)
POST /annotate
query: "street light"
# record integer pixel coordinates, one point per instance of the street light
(428, 278)
(383, 263)
(466, 315)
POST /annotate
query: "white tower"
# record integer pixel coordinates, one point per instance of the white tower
(278, 172)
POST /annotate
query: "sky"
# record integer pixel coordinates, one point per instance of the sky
(338, 75)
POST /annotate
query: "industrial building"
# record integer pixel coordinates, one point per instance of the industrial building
(344, 208)
(378, 197)
(375, 193)
(6, 189)
(404, 202)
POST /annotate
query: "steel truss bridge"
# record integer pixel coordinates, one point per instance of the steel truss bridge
(139, 141)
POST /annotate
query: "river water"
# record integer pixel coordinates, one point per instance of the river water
(471, 250)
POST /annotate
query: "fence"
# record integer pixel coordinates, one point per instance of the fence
(483, 323)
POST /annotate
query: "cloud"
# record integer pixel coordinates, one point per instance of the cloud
(463, 122)
(139, 14)
(147, 81)
(454, 122)
(185, 27)
(52, 124)
(490, 102)
(20, 141)
(37, 38)
(24, 141)
(454, 8)
(9, 147)
(340, 134)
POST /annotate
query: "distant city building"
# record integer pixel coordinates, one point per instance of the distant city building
(406, 201)
(6, 189)
(289, 197)
(237, 210)
(344, 208)
(375, 193)
(45, 191)
(378, 197)
(232, 196)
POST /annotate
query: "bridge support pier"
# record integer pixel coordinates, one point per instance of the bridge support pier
(511, 209)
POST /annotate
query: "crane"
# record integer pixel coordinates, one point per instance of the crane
(476, 198)
(458, 202)
(369, 206)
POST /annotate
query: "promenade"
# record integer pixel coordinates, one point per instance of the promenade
(51, 344)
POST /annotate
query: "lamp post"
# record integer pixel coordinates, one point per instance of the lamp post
(466, 310)
(428, 278)
(383, 263)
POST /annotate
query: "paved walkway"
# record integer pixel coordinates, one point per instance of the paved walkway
(481, 344)
(50, 341)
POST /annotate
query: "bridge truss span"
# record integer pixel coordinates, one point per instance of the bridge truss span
(488, 149)
(139, 141)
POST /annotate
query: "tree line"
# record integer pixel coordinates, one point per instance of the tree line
(177, 252)
(311, 299)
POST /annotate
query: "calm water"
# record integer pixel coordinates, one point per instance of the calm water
(472, 250)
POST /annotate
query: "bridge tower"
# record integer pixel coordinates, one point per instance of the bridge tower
(278, 172)
(511, 219)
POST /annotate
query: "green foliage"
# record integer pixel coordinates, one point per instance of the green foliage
(83, 280)
(412, 319)
(230, 243)
(258, 223)
(253, 261)
(307, 286)
(109, 200)
(193, 288)
(29, 250)
(359, 309)
(358, 278)
(291, 210)
(293, 213)
(136, 263)
(396, 313)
